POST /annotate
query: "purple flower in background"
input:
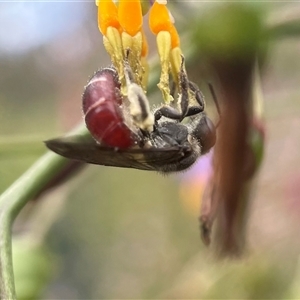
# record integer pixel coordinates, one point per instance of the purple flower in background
(193, 183)
(203, 167)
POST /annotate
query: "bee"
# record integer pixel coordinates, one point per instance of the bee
(125, 133)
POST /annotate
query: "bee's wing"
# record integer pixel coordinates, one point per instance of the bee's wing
(87, 150)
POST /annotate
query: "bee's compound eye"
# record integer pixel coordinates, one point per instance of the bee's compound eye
(205, 133)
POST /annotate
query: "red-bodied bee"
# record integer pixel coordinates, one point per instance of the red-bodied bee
(125, 133)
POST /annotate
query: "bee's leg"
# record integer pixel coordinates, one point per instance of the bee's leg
(193, 110)
(168, 112)
(173, 89)
(198, 94)
(183, 100)
(172, 113)
(183, 90)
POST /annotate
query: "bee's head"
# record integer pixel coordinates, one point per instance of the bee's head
(205, 132)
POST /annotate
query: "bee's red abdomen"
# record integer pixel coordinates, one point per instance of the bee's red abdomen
(106, 125)
(104, 118)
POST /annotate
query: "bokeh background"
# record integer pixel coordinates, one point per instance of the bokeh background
(115, 233)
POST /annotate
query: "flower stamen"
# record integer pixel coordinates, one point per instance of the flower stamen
(123, 37)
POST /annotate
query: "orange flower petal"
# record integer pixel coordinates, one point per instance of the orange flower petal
(175, 40)
(159, 18)
(130, 16)
(107, 15)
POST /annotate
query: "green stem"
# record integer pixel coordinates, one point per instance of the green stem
(11, 203)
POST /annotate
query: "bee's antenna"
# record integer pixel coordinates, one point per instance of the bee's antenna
(212, 90)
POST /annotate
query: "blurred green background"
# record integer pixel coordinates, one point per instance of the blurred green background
(114, 233)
